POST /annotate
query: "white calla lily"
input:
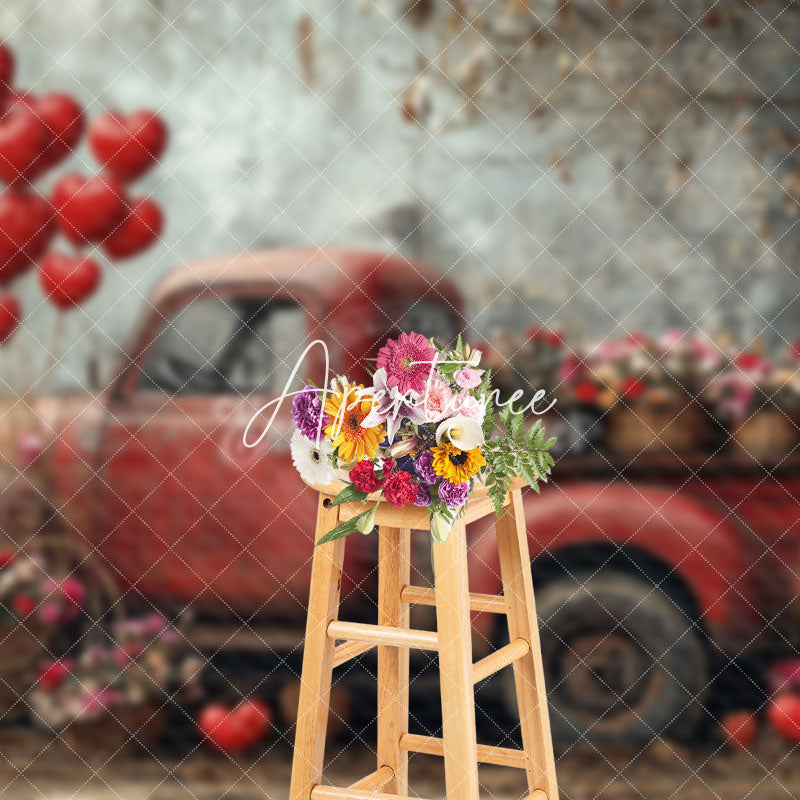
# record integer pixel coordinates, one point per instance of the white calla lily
(463, 432)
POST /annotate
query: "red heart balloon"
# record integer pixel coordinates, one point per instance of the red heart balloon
(10, 315)
(23, 138)
(784, 716)
(137, 231)
(63, 117)
(127, 146)
(27, 227)
(88, 209)
(68, 281)
(6, 69)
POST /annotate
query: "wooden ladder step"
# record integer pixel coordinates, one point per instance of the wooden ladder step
(420, 596)
(383, 635)
(346, 651)
(320, 792)
(487, 754)
(375, 781)
(500, 658)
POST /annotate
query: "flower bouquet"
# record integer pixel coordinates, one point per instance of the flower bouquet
(114, 694)
(428, 429)
(33, 606)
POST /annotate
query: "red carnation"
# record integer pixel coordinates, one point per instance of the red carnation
(399, 489)
(364, 478)
(6, 558)
(632, 387)
(748, 361)
(388, 467)
(53, 675)
(586, 392)
(23, 605)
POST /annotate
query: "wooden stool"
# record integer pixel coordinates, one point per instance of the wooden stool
(453, 641)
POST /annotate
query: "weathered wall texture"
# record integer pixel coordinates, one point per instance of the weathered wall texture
(607, 164)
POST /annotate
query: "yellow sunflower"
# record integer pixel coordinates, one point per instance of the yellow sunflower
(456, 466)
(346, 410)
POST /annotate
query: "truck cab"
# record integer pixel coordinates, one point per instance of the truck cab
(648, 573)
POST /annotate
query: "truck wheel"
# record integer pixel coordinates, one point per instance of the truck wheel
(623, 663)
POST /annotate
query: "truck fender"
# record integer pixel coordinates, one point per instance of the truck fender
(697, 543)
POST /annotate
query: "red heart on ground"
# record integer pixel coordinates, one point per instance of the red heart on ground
(137, 231)
(127, 146)
(68, 281)
(740, 729)
(6, 69)
(784, 716)
(10, 315)
(88, 209)
(27, 227)
(254, 716)
(63, 117)
(234, 730)
(23, 138)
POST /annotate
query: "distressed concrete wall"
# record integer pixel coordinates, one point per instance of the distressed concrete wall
(603, 165)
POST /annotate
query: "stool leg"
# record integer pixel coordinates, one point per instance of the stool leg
(315, 682)
(512, 543)
(455, 666)
(394, 572)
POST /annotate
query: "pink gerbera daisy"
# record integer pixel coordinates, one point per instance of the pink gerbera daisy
(408, 362)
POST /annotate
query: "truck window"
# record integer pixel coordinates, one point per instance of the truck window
(226, 346)
(432, 319)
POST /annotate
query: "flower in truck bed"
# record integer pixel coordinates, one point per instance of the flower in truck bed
(421, 435)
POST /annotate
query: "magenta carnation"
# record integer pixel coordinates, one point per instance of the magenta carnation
(454, 495)
(423, 496)
(408, 362)
(423, 466)
(307, 410)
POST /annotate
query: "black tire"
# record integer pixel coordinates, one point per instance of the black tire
(623, 663)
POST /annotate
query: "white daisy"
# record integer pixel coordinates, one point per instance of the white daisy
(312, 462)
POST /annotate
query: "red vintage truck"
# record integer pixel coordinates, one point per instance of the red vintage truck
(652, 576)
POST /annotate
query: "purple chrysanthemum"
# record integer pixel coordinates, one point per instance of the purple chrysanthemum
(306, 412)
(454, 495)
(423, 466)
(423, 496)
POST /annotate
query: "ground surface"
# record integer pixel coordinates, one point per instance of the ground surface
(33, 769)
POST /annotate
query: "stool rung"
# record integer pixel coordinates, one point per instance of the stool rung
(487, 754)
(421, 596)
(537, 794)
(495, 661)
(343, 653)
(383, 635)
(320, 792)
(375, 781)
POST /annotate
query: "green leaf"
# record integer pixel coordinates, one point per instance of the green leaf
(348, 495)
(344, 529)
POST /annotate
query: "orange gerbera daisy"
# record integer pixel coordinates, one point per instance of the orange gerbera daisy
(347, 410)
